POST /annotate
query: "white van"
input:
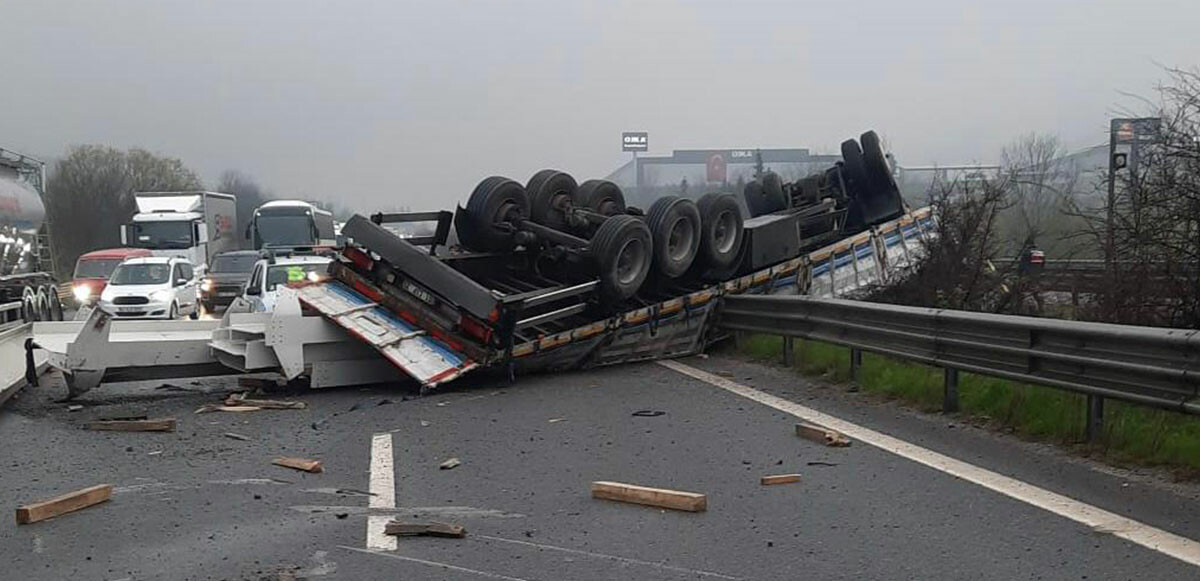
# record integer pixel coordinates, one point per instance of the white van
(154, 287)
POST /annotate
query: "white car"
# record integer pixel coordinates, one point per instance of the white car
(270, 274)
(154, 287)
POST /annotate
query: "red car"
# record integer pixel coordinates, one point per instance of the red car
(93, 269)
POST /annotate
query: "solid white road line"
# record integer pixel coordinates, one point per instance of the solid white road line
(436, 564)
(382, 486)
(1100, 520)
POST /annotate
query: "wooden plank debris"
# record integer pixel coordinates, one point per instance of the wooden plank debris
(780, 479)
(70, 502)
(132, 425)
(448, 464)
(822, 435)
(312, 466)
(429, 529)
(240, 399)
(660, 497)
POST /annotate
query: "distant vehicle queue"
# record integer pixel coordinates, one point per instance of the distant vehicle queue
(182, 257)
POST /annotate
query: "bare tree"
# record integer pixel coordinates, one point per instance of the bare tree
(1039, 179)
(248, 193)
(89, 194)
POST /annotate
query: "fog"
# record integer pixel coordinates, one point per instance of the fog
(384, 104)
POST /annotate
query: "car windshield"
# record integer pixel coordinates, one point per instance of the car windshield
(284, 230)
(96, 267)
(284, 274)
(229, 263)
(162, 235)
(140, 274)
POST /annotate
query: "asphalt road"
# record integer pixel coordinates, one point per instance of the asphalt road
(195, 504)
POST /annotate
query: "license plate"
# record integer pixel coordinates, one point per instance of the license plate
(130, 309)
(228, 294)
(418, 292)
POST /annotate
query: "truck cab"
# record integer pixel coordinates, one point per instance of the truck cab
(195, 226)
(290, 223)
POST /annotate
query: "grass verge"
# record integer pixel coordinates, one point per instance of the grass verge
(1132, 434)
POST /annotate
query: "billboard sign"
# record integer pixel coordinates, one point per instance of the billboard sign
(635, 141)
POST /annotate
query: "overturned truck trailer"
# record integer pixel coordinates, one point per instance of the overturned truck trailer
(555, 275)
(550, 275)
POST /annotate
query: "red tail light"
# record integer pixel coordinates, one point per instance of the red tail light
(359, 258)
(475, 329)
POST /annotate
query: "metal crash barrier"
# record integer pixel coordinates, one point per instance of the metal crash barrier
(1158, 367)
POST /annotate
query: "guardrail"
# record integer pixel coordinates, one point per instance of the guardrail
(10, 315)
(1145, 365)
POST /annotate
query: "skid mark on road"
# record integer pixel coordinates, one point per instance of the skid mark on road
(435, 564)
(382, 485)
(617, 558)
(1100, 520)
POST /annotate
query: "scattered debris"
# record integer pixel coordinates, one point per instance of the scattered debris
(703, 355)
(724, 373)
(313, 466)
(258, 383)
(648, 413)
(74, 408)
(226, 408)
(448, 464)
(133, 425)
(429, 529)
(70, 502)
(342, 515)
(822, 435)
(441, 404)
(660, 497)
(780, 479)
(237, 436)
(556, 420)
(820, 463)
(154, 453)
(240, 399)
(424, 424)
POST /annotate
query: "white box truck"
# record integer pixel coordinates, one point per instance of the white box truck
(192, 225)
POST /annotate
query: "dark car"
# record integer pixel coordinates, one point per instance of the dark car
(226, 276)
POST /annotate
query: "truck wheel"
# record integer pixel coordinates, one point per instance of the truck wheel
(753, 192)
(674, 224)
(622, 248)
(550, 191)
(855, 166)
(877, 168)
(600, 196)
(772, 186)
(721, 230)
(495, 201)
(42, 304)
(56, 308)
(28, 305)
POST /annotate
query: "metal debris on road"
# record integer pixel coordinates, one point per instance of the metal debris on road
(240, 399)
(429, 529)
(301, 464)
(448, 464)
(822, 435)
(226, 408)
(648, 413)
(74, 408)
(819, 463)
(69, 502)
(556, 420)
(237, 436)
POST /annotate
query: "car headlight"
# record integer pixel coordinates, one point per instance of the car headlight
(160, 295)
(206, 285)
(82, 292)
(314, 276)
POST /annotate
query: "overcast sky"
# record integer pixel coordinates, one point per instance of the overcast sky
(389, 103)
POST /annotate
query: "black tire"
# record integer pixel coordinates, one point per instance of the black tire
(42, 304)
(56, 307)
(721, 230)
(877, 168)
(622, 248)
(772, 186)
(600, 196)
(855, 168)
(494, 201)
(173, 312)
(674, 224)
(195, 314)
(549, 192)
(28, 305)
(753, 192)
